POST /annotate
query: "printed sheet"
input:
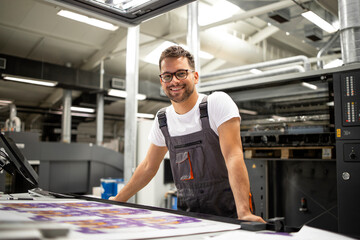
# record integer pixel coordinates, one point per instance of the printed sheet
(95, 220)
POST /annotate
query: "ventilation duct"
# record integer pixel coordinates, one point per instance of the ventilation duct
(349, 13)
(281, 16)
(118, 83)
(313, 33)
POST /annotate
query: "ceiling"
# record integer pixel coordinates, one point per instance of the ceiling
(31, 29)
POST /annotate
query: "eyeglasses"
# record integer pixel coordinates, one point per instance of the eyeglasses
(179, 74)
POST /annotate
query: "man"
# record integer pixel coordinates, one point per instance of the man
(202, 134)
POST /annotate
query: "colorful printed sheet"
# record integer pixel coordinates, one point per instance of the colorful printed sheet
(95, 220)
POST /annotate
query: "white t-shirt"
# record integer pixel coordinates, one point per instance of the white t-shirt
(221, 108)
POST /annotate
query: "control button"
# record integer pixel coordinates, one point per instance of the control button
(346, 175)
(352, 155)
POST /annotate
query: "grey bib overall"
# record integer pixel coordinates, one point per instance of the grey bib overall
(199, 169)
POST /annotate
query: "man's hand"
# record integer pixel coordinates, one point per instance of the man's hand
(112, 198)
(252, 218)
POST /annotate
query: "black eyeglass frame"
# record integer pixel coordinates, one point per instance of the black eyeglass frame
(174, 74)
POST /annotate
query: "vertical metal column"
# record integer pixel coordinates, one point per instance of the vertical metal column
(100, 109)
(132, 79)
(99, 118)
(193, 40)
(66, 117)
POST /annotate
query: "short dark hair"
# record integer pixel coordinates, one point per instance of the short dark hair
(177, 52)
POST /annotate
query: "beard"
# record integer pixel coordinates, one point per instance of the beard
(179, 97)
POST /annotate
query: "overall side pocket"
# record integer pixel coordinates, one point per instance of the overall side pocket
(184, 167)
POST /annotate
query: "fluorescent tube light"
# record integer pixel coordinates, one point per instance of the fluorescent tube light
(5, 102)
(145, 115)
(75, 114)
(82, 109)
(123, 94)
(312, 17)
(334, 63)
(330, 104)
(35, 81)
(250, 112)
(84, 19)
(309, 85)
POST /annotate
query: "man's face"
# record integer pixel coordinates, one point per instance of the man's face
(178, 90)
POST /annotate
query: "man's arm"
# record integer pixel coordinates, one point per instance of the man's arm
(230, 143)
(143, 173)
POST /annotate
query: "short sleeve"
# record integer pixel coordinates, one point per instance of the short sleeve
(155, 136)
(221, 108)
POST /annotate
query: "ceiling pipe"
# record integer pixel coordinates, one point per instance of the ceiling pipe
(272, 63)
(245, 80)
(349, 14)
(254, 12)
(325, 49)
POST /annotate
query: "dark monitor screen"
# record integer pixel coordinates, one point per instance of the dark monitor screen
(14, 160)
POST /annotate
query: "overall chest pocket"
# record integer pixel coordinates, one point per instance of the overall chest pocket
(189, 160)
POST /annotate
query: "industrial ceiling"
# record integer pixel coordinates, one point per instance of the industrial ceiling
(250, 33)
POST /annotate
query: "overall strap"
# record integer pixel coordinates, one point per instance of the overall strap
(163, 122)
(204, 116)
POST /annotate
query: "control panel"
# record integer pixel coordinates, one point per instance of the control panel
(347, 105)
(347, 123)
(350, 85)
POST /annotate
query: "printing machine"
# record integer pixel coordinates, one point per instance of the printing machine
(37, 206)
(303, 164)
(305, 188)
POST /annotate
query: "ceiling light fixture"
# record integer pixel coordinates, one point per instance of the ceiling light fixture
(82, 109)
(5, 102)
(250, 112)
(123, 94)
(330, 104)
(84, 19)
(314, 18)
(35, 81)
(309, 85)
(334, 63)
(145, 115)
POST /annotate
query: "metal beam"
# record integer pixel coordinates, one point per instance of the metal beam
(132, 81)
(66, 117)
(193, 39)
